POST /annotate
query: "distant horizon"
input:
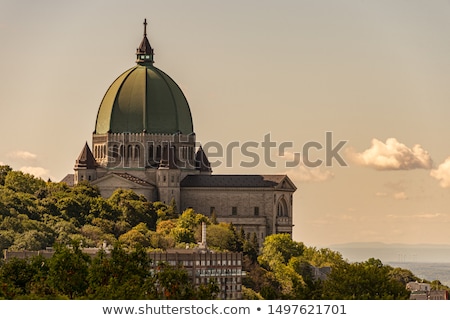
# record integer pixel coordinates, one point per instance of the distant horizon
(395, 252)
(363, 243)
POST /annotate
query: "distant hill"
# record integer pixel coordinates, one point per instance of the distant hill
(393, 252)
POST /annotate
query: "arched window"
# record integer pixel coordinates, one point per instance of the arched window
(174, 152)
(130, 152)
(158, 153)
(282, 210)
(115, 151)
(137, 152)
(150, 153)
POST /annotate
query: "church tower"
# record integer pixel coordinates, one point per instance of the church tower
(168, 178)
(85, 166)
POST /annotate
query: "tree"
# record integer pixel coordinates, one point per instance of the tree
(68, 271)
(214, 217)
(6, 239)
(15, 275)
(437, 285)
(133, 208)
(183, 235)
(23, 182)
(173, 283)
(4, 170)
(250, 247)
(235, 244)
(32, 240)
(164, 227)
(369, 280)
(136, 236)
(260, 280)
(279, 248)
(69, 207)
(86, 189)
(39, 287)
(322, 257)
(186, 226)
(122, 275)
(219, 236)
(172, 208)
(189, 219)
(403, 276)
(94, 234)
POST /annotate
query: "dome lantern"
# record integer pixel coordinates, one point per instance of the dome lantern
(144, 54)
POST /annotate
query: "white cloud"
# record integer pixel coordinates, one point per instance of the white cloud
(305, 174)
(397, 196)
(431, 215)
(442, 173)
(22, 155)
(400, 196)
(300, 172)
(37, 172)
(392, 155)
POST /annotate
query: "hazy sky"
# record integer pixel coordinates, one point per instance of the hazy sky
(374, 73)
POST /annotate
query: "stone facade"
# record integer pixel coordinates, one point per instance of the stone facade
(263, 211)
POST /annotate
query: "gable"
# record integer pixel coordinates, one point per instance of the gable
(114, 180)
(111, 182)
(286, 184)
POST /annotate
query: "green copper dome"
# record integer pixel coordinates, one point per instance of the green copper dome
(144, 99)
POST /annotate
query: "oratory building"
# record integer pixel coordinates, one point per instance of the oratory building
(144, 140)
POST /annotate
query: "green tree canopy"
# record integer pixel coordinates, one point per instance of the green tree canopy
(4, 170)
(369, 280)
(279, 248)
(23, 182)
(68, 271)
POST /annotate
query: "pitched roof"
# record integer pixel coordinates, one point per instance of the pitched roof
(86, 159)
(132, 178)
(69, 179)
(238, 181)
(201, 161)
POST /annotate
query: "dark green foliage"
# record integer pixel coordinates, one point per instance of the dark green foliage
(68, 271)
(121, 276)
(369, 280)
(133, 208)
(4, 170)
(18, 181)
(35, 214)
(15, 276)
(250, 247)
(281, 247)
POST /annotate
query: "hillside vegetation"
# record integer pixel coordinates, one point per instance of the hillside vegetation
(35, 214)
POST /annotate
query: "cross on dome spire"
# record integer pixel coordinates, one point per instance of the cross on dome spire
(144, 54)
